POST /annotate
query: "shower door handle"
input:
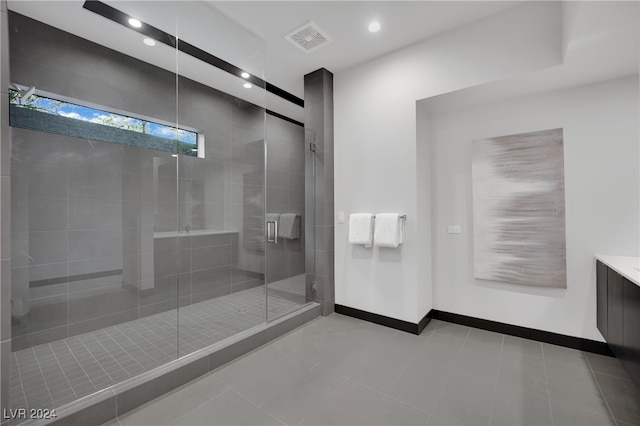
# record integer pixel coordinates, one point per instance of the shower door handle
(272, 232)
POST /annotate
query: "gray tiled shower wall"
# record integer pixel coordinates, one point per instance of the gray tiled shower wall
(318, 94)
(5, 211)
(84, 212)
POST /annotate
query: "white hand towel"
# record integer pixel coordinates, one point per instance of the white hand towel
(388, 230)
(289, 226)
(361, 229)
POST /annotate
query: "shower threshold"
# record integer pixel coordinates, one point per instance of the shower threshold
(67, 373)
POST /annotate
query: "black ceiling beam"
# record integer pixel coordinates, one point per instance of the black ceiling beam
(122, 18)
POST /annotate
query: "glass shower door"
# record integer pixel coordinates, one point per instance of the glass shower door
(289, 220)
(221, 186)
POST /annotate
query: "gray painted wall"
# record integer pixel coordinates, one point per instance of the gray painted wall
(85, 212)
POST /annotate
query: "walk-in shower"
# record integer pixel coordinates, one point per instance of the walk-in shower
(142, 179)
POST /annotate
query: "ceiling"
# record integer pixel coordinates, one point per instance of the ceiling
(250, 34)
(403, 23)
(599, 41)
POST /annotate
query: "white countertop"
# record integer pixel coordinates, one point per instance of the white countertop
(627, 266)
(193, 233)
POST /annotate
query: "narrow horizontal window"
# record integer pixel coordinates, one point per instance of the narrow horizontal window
(46, 114)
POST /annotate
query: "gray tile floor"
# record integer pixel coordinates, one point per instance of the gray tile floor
(338, 370)
(54, 374)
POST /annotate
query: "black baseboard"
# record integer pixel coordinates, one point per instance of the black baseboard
(498, 327)
(527, 333)
(401, 325)
(424, 321)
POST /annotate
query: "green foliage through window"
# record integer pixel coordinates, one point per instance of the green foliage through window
(178, 140)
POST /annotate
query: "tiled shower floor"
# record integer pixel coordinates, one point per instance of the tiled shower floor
(53, 374)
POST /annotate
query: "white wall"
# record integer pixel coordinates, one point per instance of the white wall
(602, 183)
(376, 166)
(424, 156)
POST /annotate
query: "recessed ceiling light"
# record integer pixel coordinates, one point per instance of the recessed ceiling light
(374, 27)
(247, 85)
(135, 23)
(149, 41)
(245, 74)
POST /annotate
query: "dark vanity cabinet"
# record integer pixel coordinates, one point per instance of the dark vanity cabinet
(618, 317)
(615, 311)
(632, 330)
(602, 298)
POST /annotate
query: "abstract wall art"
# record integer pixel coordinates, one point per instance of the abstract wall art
(519, 209)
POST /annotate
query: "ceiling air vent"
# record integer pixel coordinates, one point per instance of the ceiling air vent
(308, 37)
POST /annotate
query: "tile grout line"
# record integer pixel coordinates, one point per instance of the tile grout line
(593, 374)
(150, 330)
(387, 396)
(123, 349)
(190, 334)
(546, 376)
(446, 382)
(409, 362)
(495, 388)
(231, 388)
(95, 359)
(273, 415)
(317, 364)
(326, 396)
(573, 405)
(24, 395)
(260, 408)
(147, 353)
(384, 395)
(161, 331)
(346, 379)
(62, 369)
(228, 389)
(76, 359)
(108, 352)
(43, 378)
(135, 346)
(228, 307)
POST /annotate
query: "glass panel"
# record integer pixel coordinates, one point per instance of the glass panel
(94, 280)
(323, 235)
(220, 192)
(126, 253)
(313, 187)
(286, 195)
